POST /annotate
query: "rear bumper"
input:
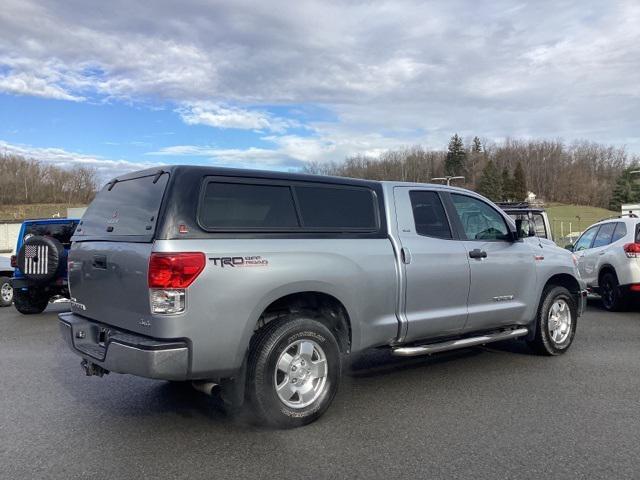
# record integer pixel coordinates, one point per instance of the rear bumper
(123, 352)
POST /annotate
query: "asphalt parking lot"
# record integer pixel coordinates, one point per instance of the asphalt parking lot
(497, 412)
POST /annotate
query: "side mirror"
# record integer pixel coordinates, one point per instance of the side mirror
(569, 247)
(520, 233)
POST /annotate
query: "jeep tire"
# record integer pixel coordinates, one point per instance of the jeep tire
(31, 301)
(294, 368)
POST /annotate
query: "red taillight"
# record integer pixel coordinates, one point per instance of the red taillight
(14, 261)
(635, 287)
(632, 250)
(174, 270)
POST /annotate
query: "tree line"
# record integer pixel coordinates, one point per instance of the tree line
(26, 181)
(581, 172)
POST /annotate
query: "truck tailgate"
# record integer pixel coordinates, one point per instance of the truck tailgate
(108, 282)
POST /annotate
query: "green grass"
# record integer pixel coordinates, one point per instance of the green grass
(578, 217)
(35, 210)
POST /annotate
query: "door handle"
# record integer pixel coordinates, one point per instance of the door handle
(477, 253)
(100, 262)
(406, 255)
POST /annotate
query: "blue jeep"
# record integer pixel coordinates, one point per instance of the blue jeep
(41, 263)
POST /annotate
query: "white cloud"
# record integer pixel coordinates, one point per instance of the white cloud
(28, 84)
(388, 72)
(106, 168)
(220, 116)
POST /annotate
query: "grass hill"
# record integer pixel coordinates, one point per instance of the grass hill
(574, 218)
(34, 210)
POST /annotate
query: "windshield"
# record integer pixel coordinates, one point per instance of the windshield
(128, 208)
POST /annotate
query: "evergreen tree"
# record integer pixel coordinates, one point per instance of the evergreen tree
(626, 189)
(455, 163)
(507, 185)
(490, 184)
(519, 184)
(477, 145)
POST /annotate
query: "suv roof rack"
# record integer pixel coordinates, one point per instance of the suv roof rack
(514, 204)
(624, 215)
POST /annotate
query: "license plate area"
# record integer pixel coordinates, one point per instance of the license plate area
(91, 340)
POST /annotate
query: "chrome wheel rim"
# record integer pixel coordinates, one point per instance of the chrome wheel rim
(301, 374)
(559, 321)
(6, 292)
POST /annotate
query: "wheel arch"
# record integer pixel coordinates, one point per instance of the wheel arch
(606, 268)
(334, 314)
(565, 280)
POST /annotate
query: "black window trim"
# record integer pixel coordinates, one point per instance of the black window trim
(291, 185)
(452, 229)
(458, 223)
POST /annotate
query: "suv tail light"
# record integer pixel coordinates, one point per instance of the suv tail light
(632, 250)
(14, 261)
(169, 275)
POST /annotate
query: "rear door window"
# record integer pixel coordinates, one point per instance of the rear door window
(429, 214)
(604, 235)
(620, 232)
(125, 208)
(244, 206)
(337, 208)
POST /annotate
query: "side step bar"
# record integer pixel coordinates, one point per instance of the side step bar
(461, 343)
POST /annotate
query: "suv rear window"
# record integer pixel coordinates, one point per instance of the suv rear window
(238, 205)
(126, 208)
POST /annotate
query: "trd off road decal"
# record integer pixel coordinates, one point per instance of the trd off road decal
(251, 261)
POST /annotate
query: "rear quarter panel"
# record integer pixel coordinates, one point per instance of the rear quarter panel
(225, 302)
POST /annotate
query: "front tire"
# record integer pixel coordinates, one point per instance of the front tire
(556, 322)
(31, 301)
(293, 371)
(6, 292)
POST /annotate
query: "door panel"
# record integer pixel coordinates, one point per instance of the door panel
(437, 275)
(503, 272)
(582, 250)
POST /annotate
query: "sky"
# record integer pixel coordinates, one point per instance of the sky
(123, 85)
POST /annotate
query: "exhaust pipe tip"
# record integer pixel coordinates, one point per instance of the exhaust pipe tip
(206, 387)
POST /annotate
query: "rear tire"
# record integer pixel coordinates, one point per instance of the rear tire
(293, 371)
(612, 298)
(30, 302)
(6, 292)
(556, 322)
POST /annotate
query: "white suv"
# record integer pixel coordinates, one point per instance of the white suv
(609, 260)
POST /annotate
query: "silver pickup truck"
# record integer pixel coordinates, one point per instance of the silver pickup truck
(263, 283)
